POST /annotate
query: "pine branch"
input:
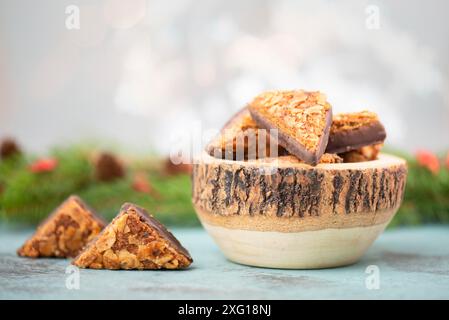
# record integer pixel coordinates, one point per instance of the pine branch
(28, 197)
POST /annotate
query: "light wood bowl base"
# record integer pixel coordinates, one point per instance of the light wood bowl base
(295, 250)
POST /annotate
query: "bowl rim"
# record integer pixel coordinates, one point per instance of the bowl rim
(384, 160)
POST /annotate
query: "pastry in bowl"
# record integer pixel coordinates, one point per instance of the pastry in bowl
(300, 216)
(310, 206)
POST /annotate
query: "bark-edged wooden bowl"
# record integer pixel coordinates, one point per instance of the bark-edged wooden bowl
(280, 213)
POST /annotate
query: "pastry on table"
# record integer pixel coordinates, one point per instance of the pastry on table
(65, 232)
(134, 240)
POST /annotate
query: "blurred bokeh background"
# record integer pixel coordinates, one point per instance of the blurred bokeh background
(138, 76)
(138, 71)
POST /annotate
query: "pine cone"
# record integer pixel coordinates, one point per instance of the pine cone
(9, 148)
(108, 168)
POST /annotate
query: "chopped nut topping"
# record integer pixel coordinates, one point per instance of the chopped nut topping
(351, 121)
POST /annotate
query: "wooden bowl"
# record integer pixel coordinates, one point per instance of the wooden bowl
(280, 213)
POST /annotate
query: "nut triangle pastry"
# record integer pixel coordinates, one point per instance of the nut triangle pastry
(239, 140)
(65, 232)
(134, 240)
(351, 131)
(302, 118)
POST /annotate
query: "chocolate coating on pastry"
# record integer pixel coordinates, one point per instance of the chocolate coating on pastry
(352, 131)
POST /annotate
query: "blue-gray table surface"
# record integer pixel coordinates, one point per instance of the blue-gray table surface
(412, 263)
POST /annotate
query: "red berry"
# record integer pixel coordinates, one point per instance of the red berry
(44, 165)
(428, 160)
